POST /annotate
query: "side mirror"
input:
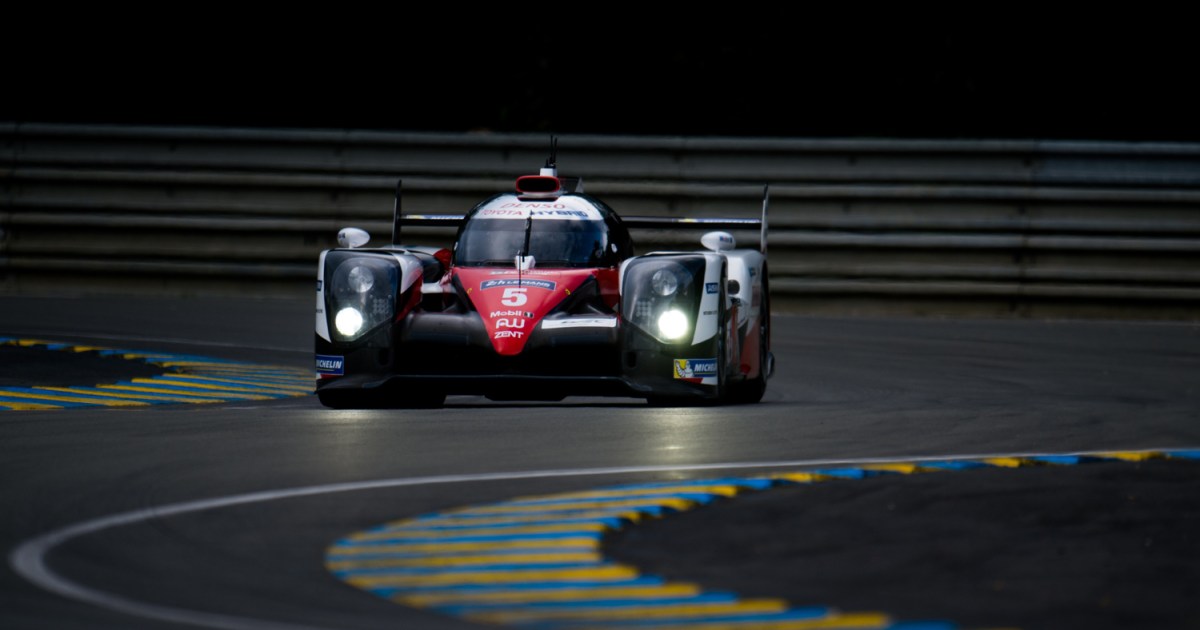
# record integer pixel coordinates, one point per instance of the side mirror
(352, 237)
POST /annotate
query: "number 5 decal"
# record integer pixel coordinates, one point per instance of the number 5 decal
(514, 296)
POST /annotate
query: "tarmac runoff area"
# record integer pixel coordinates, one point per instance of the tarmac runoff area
(37, 375)
(1106, 540)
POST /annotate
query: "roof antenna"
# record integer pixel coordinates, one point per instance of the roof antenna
(551, 167)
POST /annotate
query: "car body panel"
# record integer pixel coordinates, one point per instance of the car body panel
(541, 297)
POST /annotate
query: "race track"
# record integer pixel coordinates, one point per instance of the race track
(219, 515)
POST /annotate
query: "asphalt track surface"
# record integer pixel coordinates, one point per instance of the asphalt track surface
(1101, 545)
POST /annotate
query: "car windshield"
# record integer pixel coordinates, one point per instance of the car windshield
(552, 243)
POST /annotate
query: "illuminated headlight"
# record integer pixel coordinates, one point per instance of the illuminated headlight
(664, 283)
(360, 279)
(348, 321)
(672, 324)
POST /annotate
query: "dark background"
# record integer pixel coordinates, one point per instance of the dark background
(995, 72)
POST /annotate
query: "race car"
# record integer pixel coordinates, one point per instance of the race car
(542, 297)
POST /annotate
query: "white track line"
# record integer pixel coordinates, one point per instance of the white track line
(29, 558)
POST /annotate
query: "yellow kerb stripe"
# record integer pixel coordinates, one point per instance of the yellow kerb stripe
(649, 611)
(678, 504)
(462, 561)
(73, 399)
(864, 621)
(614, 573)
(528, 596)
(579, 543)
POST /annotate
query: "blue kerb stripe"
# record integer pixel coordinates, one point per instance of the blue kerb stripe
(953, 465)
(144, 396)
(650, 510)
(523, 587)
(702, 498)
(195, 390)
(703, 598)
(754, 483)
(612, 522)
(151, 357)
(55, 403)
(261, 382)
(1183, 454)
(100, 399)
(409, 555)
(412, 571)
(58, 346)
(791, 614)
(844, 473)
(170, 379)
(1063, 460)
(462, 539)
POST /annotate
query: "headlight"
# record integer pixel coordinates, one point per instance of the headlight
(348, 321)
(661, 295)
(672, 324)
(360, 293)
(664, 283)
(360, 279)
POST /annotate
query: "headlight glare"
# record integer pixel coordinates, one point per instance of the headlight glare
(348, 321)
(672, 324)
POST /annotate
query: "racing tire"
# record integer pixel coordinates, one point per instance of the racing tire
(751, 390)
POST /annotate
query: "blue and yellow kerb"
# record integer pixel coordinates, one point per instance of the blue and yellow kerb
(537, 561)
(186, 379)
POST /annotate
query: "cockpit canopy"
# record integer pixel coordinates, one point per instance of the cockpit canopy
(571, 231)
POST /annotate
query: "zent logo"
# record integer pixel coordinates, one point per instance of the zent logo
(508, 334)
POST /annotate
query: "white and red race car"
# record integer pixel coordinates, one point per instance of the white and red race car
(542, 297)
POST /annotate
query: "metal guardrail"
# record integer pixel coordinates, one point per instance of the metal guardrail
(995, 226)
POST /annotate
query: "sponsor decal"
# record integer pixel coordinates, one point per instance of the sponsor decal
(709, 313)
(711, 287)
(319, 283)
(334, 365)
(508, 334)
(513, 322)
(520, 211)
(496, 314)
(695, 369)
(517, 282)
(580, 322)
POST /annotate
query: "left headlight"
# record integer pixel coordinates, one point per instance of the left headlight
(661, 295)
(360, 293)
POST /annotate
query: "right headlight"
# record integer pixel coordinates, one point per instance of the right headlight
(360, 293)
(661, 295)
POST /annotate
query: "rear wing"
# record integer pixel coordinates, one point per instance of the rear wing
(453, 220)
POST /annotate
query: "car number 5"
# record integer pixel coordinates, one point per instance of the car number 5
(514, 296)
